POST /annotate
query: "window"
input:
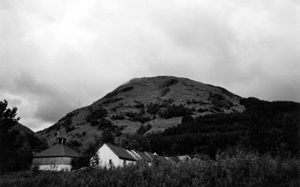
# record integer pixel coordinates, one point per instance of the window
(110, 164)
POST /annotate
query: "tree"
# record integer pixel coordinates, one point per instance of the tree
(107, 137)
(86, 154)
(8, 137)
(16, 147)
(187, 119)
(175, 148)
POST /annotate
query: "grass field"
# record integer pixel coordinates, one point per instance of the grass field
(238, 170)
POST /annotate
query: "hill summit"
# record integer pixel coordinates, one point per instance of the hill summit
(144, 104)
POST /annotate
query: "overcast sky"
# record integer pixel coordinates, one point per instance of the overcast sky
(57, 56)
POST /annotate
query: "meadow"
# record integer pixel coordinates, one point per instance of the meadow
(232, 169)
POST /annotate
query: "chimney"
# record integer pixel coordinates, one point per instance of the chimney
(60, 140)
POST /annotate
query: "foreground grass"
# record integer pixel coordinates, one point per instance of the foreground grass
(238, 170)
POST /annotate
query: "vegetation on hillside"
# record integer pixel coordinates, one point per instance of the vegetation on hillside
(265, 127)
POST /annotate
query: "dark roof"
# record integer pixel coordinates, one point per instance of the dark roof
(162, 158)
(144, 156)
(120, 152)
(58, 150)
(150, 155)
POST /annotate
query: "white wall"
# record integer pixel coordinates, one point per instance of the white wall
(53, 163)
(127, 162)
(55, 167)
(105, 154)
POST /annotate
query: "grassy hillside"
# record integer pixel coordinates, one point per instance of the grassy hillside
(159, 102)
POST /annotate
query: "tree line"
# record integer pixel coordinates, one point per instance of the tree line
(16, 148)
(264, 127)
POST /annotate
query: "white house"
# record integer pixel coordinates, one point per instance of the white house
(111, 156)
(57, 157)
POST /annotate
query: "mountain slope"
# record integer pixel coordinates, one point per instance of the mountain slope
(159, 101)
(22, 128)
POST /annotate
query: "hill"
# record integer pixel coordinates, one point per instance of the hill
(22, 128)
(143, 104)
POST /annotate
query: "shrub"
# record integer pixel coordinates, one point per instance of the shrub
(201, 109)
(174, 111)
(105, 124)
(153, 108)
(143, 129)
(235, 169)
(118, 117)
(139, 105)
(164, 91)
(112, 100)
(69, 128)
(141, 116)
(96, 114)
(94, 122)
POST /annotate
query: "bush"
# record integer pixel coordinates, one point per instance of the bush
(143, 129)
(153, 108)
(201, 109)
(94, 122)
(96, 114)
(174, 111)
(105, 124)
(141, 116)
(69, 128)
(118, 117)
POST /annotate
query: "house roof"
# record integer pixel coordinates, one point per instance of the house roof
(121, 153)
(162, 158)
(150, 155)
(143, 156)
(134, 155)
(58, 150)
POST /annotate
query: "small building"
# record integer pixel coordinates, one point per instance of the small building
(111, 156)
(56, 158)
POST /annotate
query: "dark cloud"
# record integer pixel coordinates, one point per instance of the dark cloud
(53, 108)
(44, 102)
(27, 84)
(51, 103)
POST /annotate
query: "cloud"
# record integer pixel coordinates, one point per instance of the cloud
(57, 56)
(38, 102)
